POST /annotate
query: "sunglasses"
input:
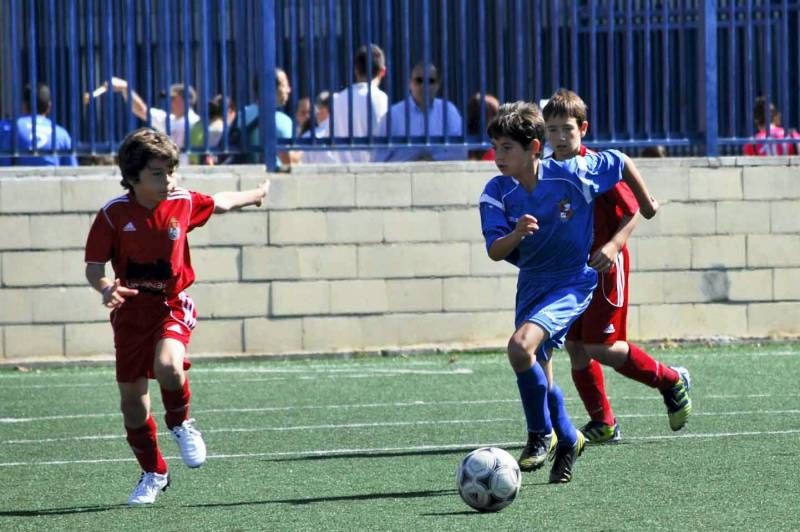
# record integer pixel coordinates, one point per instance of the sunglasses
(420, 81)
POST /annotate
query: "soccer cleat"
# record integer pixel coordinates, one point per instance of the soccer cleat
(190, 442)
(679, 404)
(564, 460)
(148, 487)
(537, 449)
(598, 432)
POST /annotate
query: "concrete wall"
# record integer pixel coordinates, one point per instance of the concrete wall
(365, 257)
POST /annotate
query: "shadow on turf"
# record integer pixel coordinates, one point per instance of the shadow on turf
(335, 498)
(355, 454)
(62, 511)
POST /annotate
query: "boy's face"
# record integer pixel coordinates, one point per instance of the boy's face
(565, 135)
(282, 88)
(511, 157)
(156, 180)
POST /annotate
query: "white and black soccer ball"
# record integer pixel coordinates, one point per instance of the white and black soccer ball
(488, 479)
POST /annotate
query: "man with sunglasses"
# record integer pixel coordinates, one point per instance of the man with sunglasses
(422, 116)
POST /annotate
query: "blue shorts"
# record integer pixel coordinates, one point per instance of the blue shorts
(553, 303)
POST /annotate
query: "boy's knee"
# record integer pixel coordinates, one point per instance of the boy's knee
(134, 412)
(519, 353)
(578, 357)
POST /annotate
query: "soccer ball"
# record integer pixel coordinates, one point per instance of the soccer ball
(488, 479)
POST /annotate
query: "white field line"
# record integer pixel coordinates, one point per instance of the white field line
(380, 450)
(491, 359)
(355, 406)
(382, 424)
(367, 375)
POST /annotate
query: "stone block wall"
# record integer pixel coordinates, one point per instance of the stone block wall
(383, 256)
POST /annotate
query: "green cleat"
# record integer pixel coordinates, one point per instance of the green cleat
(564, 460)
(537, 449)
(597, 432)
(679, 404)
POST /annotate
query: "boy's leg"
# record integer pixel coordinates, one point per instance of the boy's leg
(532, 384)
(168, 365)
(140, 425)
(587, 375)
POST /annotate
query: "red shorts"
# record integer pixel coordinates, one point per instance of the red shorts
(141, 323)
(605, 320)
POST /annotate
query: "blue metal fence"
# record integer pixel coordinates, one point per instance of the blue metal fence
(678, 73)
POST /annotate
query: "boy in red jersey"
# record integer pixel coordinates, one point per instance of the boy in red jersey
(143, 234)
(600, 334)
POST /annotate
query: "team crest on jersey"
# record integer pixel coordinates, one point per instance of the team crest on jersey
(174, 230)
(565, 209)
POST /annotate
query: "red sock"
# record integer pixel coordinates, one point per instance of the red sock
(591, 388)
(643, 368)
(176, 404)
(144, 445)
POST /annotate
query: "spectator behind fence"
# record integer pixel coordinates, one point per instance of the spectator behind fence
(370, 68)
(322, 109)
(417, 105)
(44, 134)
(218, 115)
(491, 107)
(283, 124)
(158, 117)
(658, 151)
(302, 116)
(775, 132)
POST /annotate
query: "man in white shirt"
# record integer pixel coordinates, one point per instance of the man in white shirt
(158, 117)
(370, 103)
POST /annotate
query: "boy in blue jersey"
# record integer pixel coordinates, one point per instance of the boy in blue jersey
(538, 216)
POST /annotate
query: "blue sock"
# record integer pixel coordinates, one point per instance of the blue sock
(564, 429)
(532, 385)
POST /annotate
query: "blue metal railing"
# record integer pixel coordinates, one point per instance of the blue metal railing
(678, 73)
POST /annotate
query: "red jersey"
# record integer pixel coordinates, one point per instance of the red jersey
(609, 209)
(147, 248)
(783, 148)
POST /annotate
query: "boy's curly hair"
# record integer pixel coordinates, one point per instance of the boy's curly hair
(138, 148)
(565, 103)
(521, 121)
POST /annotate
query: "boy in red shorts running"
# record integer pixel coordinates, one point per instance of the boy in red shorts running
(143, 234)
(600, 334)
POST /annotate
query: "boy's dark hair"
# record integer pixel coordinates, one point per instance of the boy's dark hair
(43, 97)
(520, 121)
(377, 62)
(760, 113)
(565, 103)
(217, 107)
(491, 105)
(138, 148)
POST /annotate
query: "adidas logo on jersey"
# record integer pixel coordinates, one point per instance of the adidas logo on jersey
(129, 228)
(610, 329)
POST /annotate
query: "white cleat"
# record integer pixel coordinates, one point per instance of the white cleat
(190, 442)
(148, 487)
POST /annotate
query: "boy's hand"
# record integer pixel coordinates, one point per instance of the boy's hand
(114, 295)
(649, 210)
(263, 189)
(602, 259)
(526, 225)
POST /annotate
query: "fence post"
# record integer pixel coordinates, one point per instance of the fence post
(267, 82)
(710, 112)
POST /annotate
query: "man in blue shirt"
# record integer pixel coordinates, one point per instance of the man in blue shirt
(443, 119)
(538, 215)
(43, 141)
(249, 122)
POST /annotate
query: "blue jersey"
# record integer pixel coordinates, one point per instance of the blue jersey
(562, 204)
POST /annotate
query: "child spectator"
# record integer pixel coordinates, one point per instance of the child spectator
(143, 234)
(775, 132)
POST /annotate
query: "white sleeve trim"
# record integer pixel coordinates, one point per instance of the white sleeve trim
(485, 198)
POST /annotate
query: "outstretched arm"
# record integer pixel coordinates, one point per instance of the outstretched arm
(648, 205)
(226, 201)
(505, 245)
(138, 106)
